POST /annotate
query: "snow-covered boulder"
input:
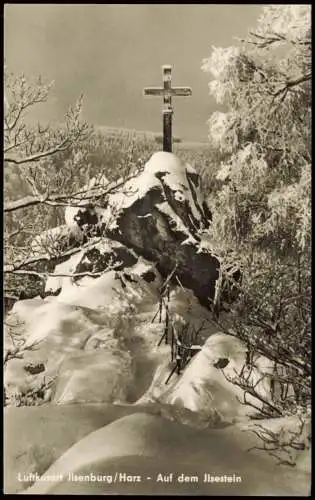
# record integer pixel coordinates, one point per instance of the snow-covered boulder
(99, 256)
(52, 332)
(63, 272)
(94, 376)
(159, 214)
(207, 384)
(47, 250)
(156, 215)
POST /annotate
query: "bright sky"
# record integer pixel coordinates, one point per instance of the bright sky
(109, 52)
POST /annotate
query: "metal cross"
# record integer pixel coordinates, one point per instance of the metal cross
(167, 91)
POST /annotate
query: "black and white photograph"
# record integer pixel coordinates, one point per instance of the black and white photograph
(157, 249)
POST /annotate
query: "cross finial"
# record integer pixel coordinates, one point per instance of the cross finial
(167, 91)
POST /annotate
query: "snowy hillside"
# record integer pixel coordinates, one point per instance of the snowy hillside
(126, 323)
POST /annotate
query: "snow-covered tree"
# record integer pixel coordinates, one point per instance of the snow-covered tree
(48, 167)
(263, 208)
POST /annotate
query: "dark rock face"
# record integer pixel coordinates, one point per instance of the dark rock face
(86, 217)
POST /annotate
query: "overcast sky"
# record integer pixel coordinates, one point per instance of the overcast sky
(110, 52)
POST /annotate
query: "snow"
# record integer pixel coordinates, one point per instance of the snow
(81, 376)
(167, 210)
(70, 214)
(55, 283)
(145, 216)
(101, 339)
(145, 445)
(203, 388)
(68, 325)
(175, 177)
(25, 308)
(89, 292)
(103, 295)
(98, 336)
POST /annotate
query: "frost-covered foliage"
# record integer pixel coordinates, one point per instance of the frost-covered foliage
(262, 211)
(46, 166)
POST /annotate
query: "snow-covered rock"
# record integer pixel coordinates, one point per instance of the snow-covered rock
(53, 285)
(47, 250)
(159, 214)
(207, 382)
(99, 255)
(52, 332)
(156, 215)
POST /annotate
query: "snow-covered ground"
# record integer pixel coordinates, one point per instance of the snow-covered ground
(96, 342)
(89, 319)
(145, 446)
(106, 349)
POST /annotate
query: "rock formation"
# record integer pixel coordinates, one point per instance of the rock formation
(160, 214)
(157, 215)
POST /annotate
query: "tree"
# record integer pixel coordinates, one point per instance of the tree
(262, 211)
(31, 152)
(27, 146)
(48, 168)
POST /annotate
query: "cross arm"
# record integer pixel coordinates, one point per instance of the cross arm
(153, 91)
(174, 91)
(178, 91)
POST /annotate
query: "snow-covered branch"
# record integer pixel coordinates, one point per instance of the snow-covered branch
(76, 199)
(39, 156)
(23, 144)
